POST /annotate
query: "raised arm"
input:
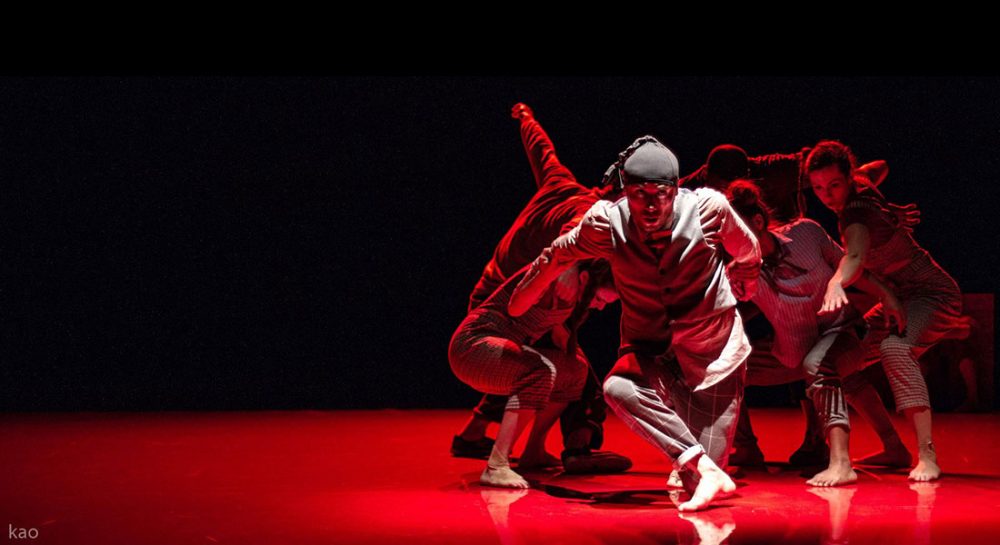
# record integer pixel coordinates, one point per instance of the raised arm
(875, 171)
(694, 180)
(545, 164)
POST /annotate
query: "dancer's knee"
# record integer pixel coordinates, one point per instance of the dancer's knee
(618, 390)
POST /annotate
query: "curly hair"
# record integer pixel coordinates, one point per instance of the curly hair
(831, 153)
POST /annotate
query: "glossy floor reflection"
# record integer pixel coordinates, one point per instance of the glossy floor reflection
(386, 477)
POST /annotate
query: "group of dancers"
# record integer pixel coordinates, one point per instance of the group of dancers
(690, 259)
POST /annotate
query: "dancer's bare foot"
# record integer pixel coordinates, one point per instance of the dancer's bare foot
(890, 457)
(837, 474)
(503, 477)
(927, 468)
(674, 480)
(541, 460)
(713, 483)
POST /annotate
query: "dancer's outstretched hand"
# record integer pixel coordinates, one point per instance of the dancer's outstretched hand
(521, 110)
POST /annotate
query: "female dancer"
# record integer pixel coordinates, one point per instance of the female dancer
(921, 304)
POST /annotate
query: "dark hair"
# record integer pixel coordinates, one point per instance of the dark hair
(728, 162)
(831, 153)
(600, 274)
(615, 170)
(744, 196)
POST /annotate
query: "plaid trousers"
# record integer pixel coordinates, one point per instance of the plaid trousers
(933, 305)
(663, 409)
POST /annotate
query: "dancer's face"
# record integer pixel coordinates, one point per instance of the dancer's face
(756, 224)
(651, 204)
(605, 296)
(832, 187)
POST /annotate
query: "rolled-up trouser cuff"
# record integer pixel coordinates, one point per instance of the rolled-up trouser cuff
(688, 456)
(830, 405)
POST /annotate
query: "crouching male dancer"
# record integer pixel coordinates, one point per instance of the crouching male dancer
(666, 249)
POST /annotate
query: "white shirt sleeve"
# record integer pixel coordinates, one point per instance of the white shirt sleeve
(722, 225)
(590, 238)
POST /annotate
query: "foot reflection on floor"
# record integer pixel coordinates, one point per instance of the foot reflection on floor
(377, 477)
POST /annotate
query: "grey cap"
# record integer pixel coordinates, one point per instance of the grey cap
(651, 162)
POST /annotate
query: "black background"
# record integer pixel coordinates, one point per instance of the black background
(245, 242)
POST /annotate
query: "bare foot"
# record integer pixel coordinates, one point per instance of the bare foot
(503, 477)
(538, 461)
(674, 480)
(714, 483)
(836, 475)
(927, 468)
(895, 457)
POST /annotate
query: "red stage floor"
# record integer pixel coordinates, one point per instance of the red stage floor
(386, 477)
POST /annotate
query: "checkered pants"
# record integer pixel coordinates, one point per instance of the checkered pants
(933, 307)
(532, 377)
(833, 358)
(661, 408)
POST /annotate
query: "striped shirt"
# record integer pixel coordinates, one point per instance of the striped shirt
(792, 286)
(491, 317)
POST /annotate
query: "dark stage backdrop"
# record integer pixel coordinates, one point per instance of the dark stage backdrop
(233, 243)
